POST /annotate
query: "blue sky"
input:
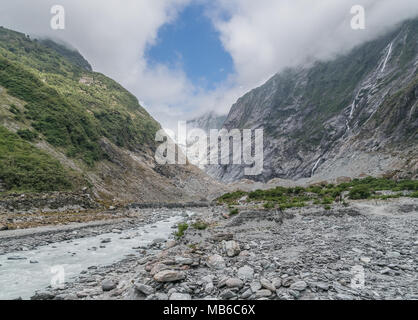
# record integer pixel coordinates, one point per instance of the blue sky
(192, 44)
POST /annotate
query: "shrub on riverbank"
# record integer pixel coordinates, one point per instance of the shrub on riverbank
(181, 229)
(323, 194)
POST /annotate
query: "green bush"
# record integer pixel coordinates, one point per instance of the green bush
(269, 205)
(200, 225)
(182, 227)
(232, 197)
(360, 192)
(13, 109)
(233, 212)
(327, 200)
(28, 135)
(322, 195)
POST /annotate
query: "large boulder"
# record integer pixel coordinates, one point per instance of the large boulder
(246, 273)
(216, 262)
(108, 285)
(231, 248)
(169, 276)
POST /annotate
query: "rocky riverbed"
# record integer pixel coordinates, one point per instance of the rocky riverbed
(368, 250)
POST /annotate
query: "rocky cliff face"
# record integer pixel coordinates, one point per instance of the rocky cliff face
(354, 115)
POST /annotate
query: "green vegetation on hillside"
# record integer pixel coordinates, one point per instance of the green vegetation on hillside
(24, 168)
(71, 54)
(66, 104)
(62, 123)
(326, 195)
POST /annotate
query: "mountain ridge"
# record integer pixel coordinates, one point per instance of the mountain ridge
(318, 115)
(89, 125)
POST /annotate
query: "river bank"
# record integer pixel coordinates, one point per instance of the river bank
(367, 250)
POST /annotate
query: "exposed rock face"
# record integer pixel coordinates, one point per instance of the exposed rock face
(355, 114)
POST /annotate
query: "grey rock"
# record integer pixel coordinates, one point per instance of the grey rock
(180, 296)
(169, 276)
(320, 285)
(170, 244)
(386, 271)
(71, 296)
(267, 284)
(161, 296)
(216, 262)
(286, 282)
(209, 288)
(264, 293)
(158, 241)
(365, 259)
(255, 286)
(234, 283)
(43, 296)
(231, 248)
(247, 294)
(183, 261)
(246, 273)
(16, 258)
(108, 285)
(299, 286)
(294, 293)
(342, 296)
(277, 283)
(227, 294)
(147, 290)
(393, 254)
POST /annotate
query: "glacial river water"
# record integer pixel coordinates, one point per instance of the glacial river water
(58, 262)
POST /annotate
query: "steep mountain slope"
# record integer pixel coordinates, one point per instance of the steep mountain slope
(354, 115)
(88, 130)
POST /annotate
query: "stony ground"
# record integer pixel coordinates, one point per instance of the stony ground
(368, 250)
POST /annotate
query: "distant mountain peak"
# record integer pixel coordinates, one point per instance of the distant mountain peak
(208, 121)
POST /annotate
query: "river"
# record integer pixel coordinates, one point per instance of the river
(25, 272)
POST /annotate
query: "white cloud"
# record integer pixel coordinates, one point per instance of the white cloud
(262, 36)
(265, 36)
